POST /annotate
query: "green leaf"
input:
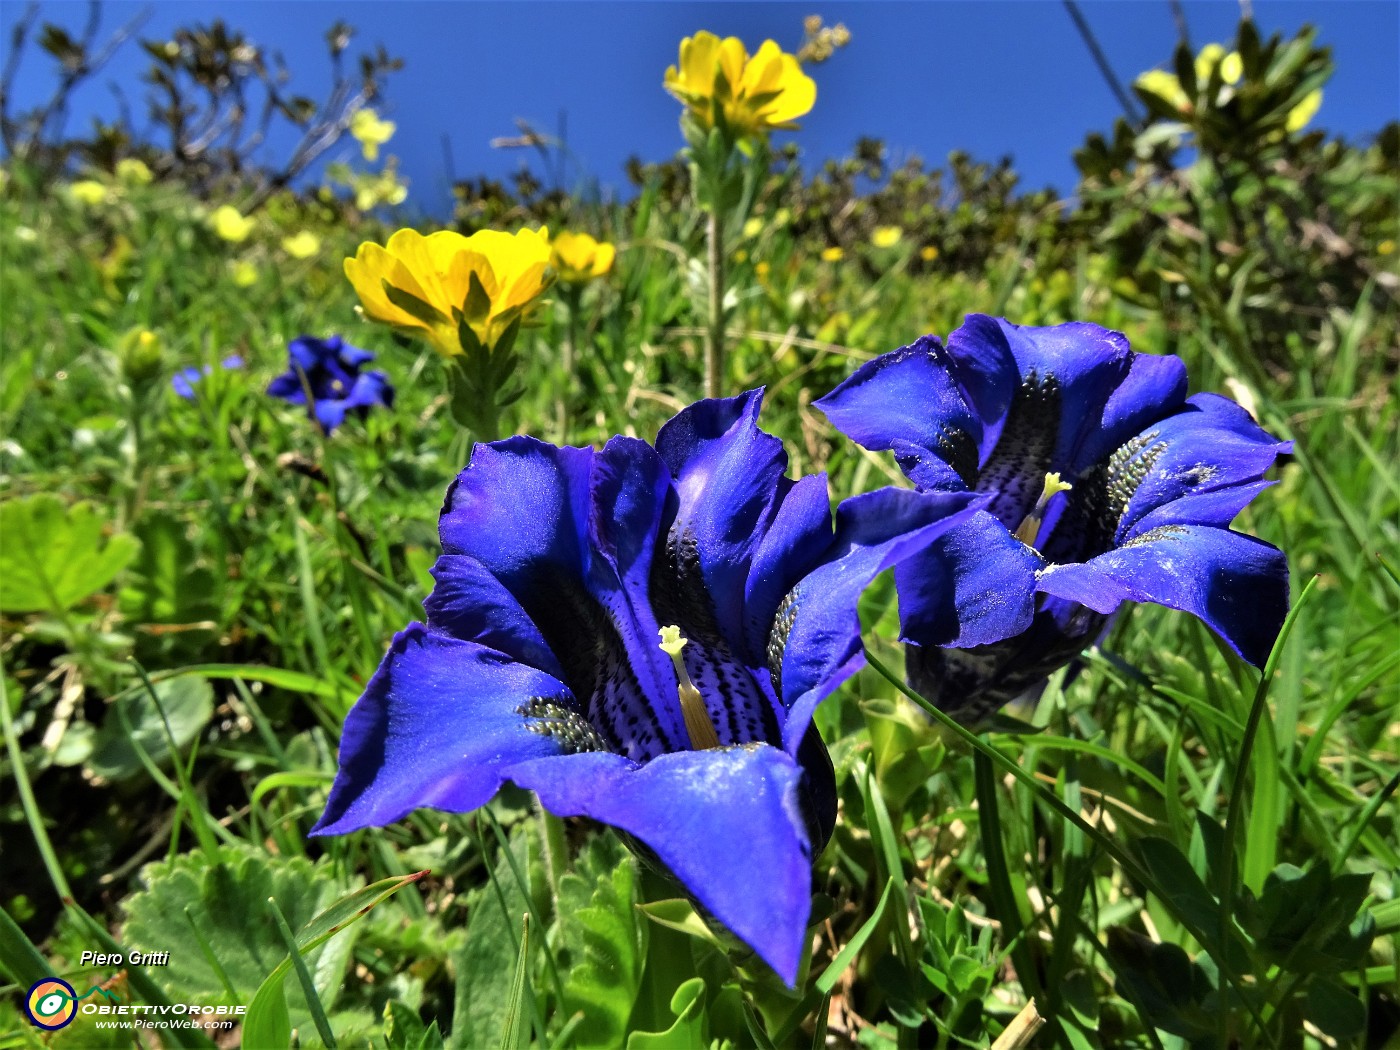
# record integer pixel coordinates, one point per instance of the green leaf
(53, 557)
(477, 306)
(134, 723)
(598, 930)
(413, 306)
(486, 963)
(189, 900)
(268, 1021)
(1334, 1009)
(688, 1032)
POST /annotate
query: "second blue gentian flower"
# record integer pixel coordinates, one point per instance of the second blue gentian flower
(1107, 484)
(330, 374)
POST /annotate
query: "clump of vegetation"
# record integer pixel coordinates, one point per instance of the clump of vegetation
(1165, 848)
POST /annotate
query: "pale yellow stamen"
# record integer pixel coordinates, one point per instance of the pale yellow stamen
(697, 719)
(1030, 525)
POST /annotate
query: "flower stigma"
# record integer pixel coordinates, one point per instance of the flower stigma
(1030, 525)
(697, 719)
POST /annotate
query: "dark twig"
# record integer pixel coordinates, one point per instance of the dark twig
(1101, 60)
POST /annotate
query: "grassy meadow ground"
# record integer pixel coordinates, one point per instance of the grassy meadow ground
(221, 556)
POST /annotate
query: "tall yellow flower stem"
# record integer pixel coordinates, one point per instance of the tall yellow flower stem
(714, 330)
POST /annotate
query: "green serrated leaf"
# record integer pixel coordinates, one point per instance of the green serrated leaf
(219, 900)
(52, 556)
(598, 928)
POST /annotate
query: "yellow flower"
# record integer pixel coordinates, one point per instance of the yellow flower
(833, 254)
(133, 172)
(1386, 247)
(371, 132)
(230, 224)
(244, 273)
(1303, 112)
(579, 258)
(928, 253)
(753, 94)
(1164, 85)
(302, 246)
(753, 227)
(886, 236)
(88, 191)
(423, 284)
(762, 269)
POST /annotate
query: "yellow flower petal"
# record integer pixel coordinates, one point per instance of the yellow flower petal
(301, 246)
(833, 254)
(1165, 86)
(437, 270)
(886, 236)
(1301, 114)
(88, 191)
(755, 94)
(230, 224)
(1232, 68)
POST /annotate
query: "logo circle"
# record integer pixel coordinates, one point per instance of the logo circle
(51, 1004)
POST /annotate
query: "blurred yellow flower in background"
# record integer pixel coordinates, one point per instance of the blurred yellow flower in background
(429, 284)
(1164, 85)
(753, 227)
(230, 224)
(302, 245)
(579, 258)
(928, 253)
(752, 94)
(1303, 112)
(88, 191)
(833, 254)
(371, 132)
(133, 172)
(245, 274)
(886, 236)
(1230, 65)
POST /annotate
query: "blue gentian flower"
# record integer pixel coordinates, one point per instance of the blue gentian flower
(187, 379)
(331, 370)
(1107, 485)
(563, 571)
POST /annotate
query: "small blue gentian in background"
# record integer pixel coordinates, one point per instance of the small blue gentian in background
(186, 380)
(331, 370)
(1107, 484)
(640, 635)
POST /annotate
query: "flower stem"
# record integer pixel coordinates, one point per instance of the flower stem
(714, 330)
(556, 850)
(567, 382)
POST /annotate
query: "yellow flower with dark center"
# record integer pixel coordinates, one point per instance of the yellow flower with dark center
(579, 258)
(428, 285)
(230, 224)
(753, 94)
(371, 132)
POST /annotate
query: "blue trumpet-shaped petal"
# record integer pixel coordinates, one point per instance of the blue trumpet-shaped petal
(539, 661)
(1021, 587)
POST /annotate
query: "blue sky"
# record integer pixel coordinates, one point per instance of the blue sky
(1011, 77)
